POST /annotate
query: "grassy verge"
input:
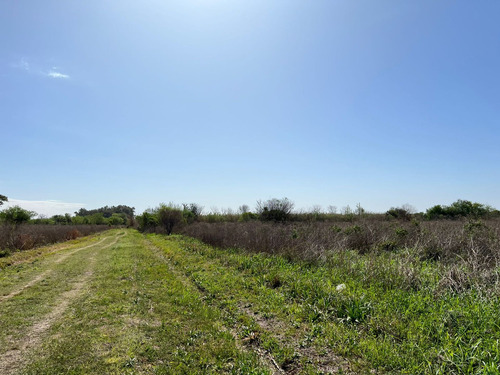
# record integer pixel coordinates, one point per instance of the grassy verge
(354, 313)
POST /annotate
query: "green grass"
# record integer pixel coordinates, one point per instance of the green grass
(124, 303)
(134, 316)
(392, 317)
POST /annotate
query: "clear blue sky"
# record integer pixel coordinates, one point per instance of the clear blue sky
(226, 102)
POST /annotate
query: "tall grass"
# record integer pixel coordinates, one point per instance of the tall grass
(468, 250)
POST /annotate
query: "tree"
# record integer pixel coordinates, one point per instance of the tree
(190, 211)
(117, 219)
(404, 212)
(332, 209)
(169, 217)
(243, 209)
(16, 215)
(147, 221)
(275, 209)
(460, 208)
(3, 198)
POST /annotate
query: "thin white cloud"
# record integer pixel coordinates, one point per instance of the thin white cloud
(46, 208)
(21, 64)
(25, 65)
(54, 74)
(33, 69)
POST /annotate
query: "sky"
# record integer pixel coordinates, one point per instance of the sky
(224, 103)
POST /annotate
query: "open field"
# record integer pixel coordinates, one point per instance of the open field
(120, 302)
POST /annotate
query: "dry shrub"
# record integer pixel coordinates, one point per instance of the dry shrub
(24, 241)
(456, 279)
(28, 236)
(468, 251)
(73, 234)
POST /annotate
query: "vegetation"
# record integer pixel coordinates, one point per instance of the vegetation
(107, 212)
(460, 209)
(113, 304)
(16, 215)
(166, 217)
(274, 209)
(27, 236)
(20, 231)
(269, 291)
(352, 313)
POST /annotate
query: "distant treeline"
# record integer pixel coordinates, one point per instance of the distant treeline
(114, 215)
(107, 211)
(169, 217)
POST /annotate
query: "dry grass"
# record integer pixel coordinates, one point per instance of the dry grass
(25, 237)
(469, 251)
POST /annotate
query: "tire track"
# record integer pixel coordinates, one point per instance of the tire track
(44, 274)
(265, 356)
(14, 359)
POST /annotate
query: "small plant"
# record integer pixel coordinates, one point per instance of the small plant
(387, 246)
(354, 310)
(401, 232)
(336, 229)
(274, 281)
(352, 230)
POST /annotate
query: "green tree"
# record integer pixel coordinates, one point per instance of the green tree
(16, 215)
(97, 219)
(117, 219)
(460, 208)
(169, 217)
(147, 221)
(274, 209)
(3, 198)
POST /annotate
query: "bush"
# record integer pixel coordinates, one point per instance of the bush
(460, 208)
(398, 213)
(277, 210)
(169, 217)
(16, 215)
(147, 221)
(28, 236)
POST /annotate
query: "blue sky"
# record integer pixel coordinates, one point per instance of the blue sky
(226, 102)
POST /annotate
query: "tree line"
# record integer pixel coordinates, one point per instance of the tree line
(166, 217)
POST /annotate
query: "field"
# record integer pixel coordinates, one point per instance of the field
(121, 302)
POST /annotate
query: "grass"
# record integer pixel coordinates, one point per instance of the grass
(387, 318)
(125, 303)
(133, 316)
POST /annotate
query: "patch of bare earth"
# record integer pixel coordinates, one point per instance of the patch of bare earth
(327, 363)
(15, 358)
(44, 274)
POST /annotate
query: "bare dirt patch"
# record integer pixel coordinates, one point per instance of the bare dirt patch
(15, 358)
(44, 274)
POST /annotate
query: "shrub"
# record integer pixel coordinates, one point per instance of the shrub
(460, 208)
(398, 213)
(28, 236)
(169, 217)
(247, 216)
(147, 221)
(16, 215)
(275, 209)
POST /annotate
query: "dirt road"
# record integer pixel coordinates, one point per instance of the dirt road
(109, 305)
